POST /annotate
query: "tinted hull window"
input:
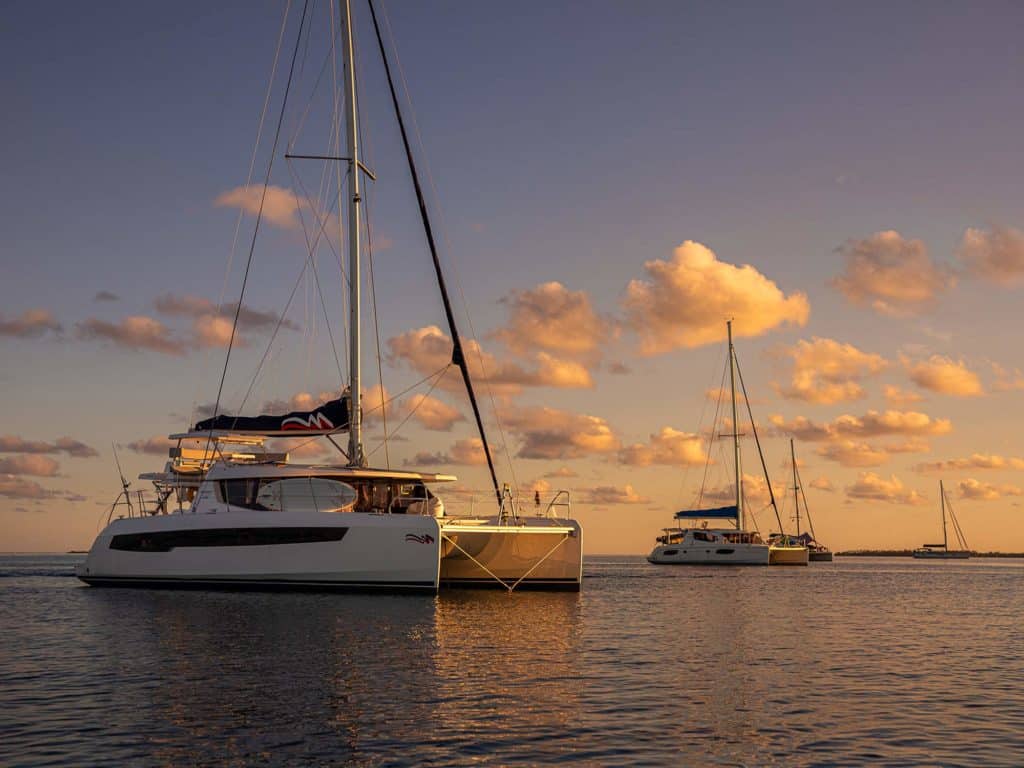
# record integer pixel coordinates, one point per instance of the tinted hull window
(165, 541)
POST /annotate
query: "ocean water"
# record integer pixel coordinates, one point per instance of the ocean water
(858, 662)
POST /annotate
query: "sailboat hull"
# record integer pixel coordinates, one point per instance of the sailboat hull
(788, 556)
(819, 557)
(267, 550)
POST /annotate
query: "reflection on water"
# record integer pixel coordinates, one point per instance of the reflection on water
(849, 663)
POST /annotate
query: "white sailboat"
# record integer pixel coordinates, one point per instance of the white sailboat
(230, 513)
(942, 551)
(706, 545)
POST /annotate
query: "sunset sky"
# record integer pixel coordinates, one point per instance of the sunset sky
(610, 183)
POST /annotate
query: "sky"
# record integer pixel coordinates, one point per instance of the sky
(610, 183)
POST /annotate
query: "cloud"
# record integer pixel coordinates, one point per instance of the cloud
(135, 332)
(668, 447)
(974, 461)
(561, 472)
(893, 275)
(300, 448)
(823, 484)
(432, 413)
(211, 328)
(427, 350)
(552, 317)
(548, 433)
(755, 492)
(152, 446)
(685, 301)
(280, 206)
(31, 464)
(106, 296)
(612, 495)
(468, 451)
(871, 424)
(15, 488)
(68, 445)
(617, 368)
(900, 398)
(826, 371)
(977, 491)
(996, 255)
(943, 375)
(871, 487)
(30, 324)
(853, 454)
(1007, 381)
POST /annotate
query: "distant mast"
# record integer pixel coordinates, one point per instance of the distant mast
(796, 485)
(942, 496)
(735, 429)
(355, 432)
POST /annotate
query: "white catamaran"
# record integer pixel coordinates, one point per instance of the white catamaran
(230, 513)
(706, 545)
(942, 551)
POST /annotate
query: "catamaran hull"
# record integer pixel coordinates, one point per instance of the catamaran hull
(539, 554)
(260, 550)
(726, 554)
(820, 557)
(788, 556)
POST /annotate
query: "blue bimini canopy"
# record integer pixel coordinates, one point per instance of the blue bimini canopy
(731, 512)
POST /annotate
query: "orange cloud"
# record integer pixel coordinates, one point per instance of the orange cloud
(547, 433)
(612, 495)
(871, 487)
(280, 205)
(154, 446)
(900, 398)
(552, 317)
(427, 350)
(893, 275)
(32, 323)
(686, 301)
(977, 491)
(68, 445)
(871, 424)
(943, 375)
(31, 464)
(1007, 381)
(996, 255)
(826, 371)
(668, 447)
(135, 332)
(469, 451)
(823, 484)
(432, 413)
(974, 461)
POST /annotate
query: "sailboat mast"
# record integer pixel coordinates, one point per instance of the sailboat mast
(735, 429)
(942, 497)
(355, 433)
(796, 485)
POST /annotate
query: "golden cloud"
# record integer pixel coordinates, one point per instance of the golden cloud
(900, 398)
(280, 205)
(826, 371)
(871, 424)
(977, 491)
(943, 375)
(685, 301)
(612, 495)
(974, 461)
(871, 487)
(31, 323)
(552, 317)
(893, 275)
(996, 255)
(668, 447)
(548, 433)
(31, 464)
(432, 413)
(135, 332)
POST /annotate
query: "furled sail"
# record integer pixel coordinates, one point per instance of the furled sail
(731, 512)
(331, 416)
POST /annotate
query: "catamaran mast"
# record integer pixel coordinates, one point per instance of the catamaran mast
(735, 430)
(355, 429)
(796, 486)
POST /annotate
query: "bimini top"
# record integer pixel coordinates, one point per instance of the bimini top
(718, 513)
(326, 418)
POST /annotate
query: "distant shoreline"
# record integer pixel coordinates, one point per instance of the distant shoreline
(909, 553)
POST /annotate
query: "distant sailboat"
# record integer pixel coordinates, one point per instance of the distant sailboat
(816, 552)
(942, 551)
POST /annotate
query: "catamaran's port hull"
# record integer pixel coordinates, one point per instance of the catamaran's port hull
(788, 556)
(261, 550)
(537, 554)
(735, 554)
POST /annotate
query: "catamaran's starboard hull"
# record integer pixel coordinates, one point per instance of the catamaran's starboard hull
(264, 550)
(725, 554)
(788, 555)
(537, 554)
(820, 557)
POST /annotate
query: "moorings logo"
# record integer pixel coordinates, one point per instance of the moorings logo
(425, 538)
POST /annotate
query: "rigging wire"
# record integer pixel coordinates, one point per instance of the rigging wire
(259, 216)
(711, 438)
(248, 181)
(764, 467)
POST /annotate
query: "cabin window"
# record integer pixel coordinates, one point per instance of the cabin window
(165, 541)
(669, 552)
